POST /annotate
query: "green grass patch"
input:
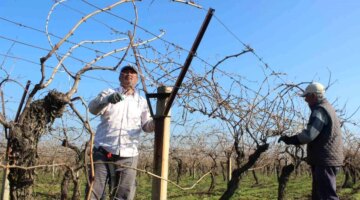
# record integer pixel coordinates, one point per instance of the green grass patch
(48, 186)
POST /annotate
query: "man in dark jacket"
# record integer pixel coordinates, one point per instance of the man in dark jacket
(324, 143)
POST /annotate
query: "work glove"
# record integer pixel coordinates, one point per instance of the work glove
(115, 97)
(289, 140)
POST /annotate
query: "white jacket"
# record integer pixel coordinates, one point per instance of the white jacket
(121, 123)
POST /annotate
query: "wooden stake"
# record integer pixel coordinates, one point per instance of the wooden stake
(229, 170)
(161, 151)
(5, 189)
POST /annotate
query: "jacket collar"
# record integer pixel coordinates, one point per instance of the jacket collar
(121, 90)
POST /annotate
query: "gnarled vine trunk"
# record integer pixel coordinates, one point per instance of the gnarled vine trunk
(24, 137)
(234, 183)
(284, 179)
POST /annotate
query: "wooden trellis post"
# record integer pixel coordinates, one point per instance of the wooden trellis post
(162, 119)
(162, 140)
(5, 190)
(229, 170)
(5, 182)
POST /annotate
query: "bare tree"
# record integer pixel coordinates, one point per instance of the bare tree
(38, 115)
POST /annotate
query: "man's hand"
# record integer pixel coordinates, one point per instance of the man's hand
(115, 97)
(289, 140)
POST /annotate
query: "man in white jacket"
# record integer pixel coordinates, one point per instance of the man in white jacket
(124, 113)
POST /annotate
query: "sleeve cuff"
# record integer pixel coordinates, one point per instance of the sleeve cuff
(294, 140)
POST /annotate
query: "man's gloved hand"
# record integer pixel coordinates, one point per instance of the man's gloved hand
(289, 140)
(284, 139)
(115, 97)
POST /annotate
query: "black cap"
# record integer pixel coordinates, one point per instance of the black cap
(129, 67)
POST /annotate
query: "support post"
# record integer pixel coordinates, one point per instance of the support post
(189, 59)
(161, 148)
(5, 189)
(229, 170)
(162, 120)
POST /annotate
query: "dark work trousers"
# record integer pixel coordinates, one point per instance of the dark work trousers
(324, 182)
(122, 182)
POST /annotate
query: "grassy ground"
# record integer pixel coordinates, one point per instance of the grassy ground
(48, 187)
(266, 189)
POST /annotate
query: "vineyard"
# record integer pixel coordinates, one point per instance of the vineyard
(227, 106)
(258, 183)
